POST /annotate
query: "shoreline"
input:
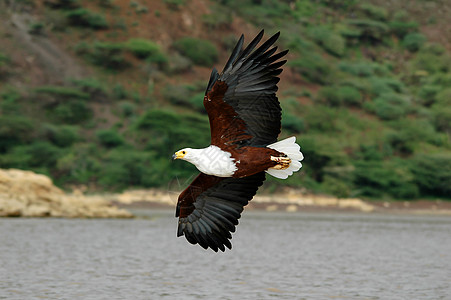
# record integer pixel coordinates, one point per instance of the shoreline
(290, 201)
(27, 194)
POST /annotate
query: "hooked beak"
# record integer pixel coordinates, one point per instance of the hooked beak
(178, 155)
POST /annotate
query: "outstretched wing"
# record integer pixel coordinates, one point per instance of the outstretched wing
(210, 207)
(241, 102)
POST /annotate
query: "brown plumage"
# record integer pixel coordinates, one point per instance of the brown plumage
(245, 121)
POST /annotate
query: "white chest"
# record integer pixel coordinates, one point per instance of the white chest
(214, 161)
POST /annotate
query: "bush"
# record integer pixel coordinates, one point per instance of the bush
(200, 52)
(385, 85)
(139, 8)
(197, 102)
(443, 97)
(176, 94)
(109, 138)
(321, 152)
(377, 179)
(14, 130)
(417, 130)
(93, 87)
(72, 112)
(337, 187)
(222, 19)
(37, 155)
(413, 41)
(37, 29)
(442, 117)
(313, 67)
(340, 95)
(4, 61)
(106, 3)
(361, 69)
(62, 92)
(292, 123)
(174, 4)
(61, 136)
(400, 142)
(390, 106)
(82, 17)
(124, 167)
(442, 79)
(63, 4)
(119, 92)
(328, 40)
(80, 165)
(427, 94)
(9, 104)
(179, 64)
(374, 12)
(167, 131)
(127, 108)
(402, 28)
(321, 118)
(143, 49)
(431, 62)
(369, 30)
(432, 173)
(104, 54)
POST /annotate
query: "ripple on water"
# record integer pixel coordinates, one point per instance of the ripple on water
(275, 255)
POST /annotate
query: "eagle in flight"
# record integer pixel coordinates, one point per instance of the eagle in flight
(245, 121)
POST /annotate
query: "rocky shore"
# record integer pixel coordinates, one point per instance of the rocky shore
(27, 194)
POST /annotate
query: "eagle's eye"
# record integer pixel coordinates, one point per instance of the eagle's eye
(183, 152)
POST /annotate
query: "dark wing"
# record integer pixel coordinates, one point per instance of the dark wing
(210, 207)
(241, 102)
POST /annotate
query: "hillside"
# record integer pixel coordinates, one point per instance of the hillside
(101, 93)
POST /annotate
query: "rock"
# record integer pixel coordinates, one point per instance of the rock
(27, 194)
(168, 198)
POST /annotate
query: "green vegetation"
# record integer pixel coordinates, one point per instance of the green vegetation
(109, 138)
(413, 41)
(365, 91)
(146, 49)
(200, 52)
(62, 91)
(104, 54)
(4, 62)
(313, 67)
(84, 18)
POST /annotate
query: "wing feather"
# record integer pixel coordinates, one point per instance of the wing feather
(245, 92)
(209, 209)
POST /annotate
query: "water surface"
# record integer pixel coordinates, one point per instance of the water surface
(274, 256)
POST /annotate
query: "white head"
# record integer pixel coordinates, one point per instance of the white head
(211, 160)
(187, 154)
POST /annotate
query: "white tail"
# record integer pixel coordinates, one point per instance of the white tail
(289, 147)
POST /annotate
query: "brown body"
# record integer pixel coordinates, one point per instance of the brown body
(252, 160)
(228, 130)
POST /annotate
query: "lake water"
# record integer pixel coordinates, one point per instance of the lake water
(274, 256)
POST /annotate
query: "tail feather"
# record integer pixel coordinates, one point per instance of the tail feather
(289, 147)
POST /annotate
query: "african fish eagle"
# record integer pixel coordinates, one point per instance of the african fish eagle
(245, 120)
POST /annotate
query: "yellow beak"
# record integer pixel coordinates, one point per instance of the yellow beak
(178, 154)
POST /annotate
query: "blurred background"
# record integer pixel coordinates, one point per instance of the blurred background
(99, 94)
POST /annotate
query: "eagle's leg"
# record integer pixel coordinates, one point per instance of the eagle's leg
(283, 162)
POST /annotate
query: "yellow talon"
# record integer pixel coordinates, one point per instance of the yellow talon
(283, 162)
